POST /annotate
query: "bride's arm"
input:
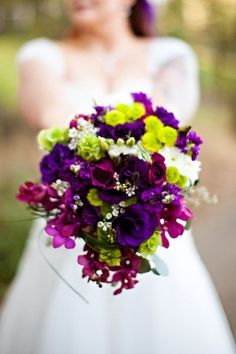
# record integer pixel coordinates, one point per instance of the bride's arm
(40, 95)
(177, 85)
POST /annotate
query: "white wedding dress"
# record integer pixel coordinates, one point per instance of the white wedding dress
(177, 314)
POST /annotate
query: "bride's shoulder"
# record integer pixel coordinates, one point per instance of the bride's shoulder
(167, 49)
(42, 49)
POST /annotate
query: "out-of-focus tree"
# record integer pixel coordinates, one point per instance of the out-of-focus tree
(210, 26)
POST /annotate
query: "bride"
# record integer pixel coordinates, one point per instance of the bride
(109, 51)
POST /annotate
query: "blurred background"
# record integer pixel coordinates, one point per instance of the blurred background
(210, 27)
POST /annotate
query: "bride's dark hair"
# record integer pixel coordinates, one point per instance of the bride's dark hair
(142, 18)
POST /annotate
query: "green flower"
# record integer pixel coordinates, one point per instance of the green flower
(126, 109)
(93, 197)
(137, 111)
(111, 257)
(149, 247)
(153, 124)
(172, 174)
(115, 117)
(167, 135)
(182, 181)
(47, 138)
(90, 148)
(150, 142)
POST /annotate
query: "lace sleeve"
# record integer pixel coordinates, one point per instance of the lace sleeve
(44, 51)
(176, 79)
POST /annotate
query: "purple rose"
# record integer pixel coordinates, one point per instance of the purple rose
(102, 174)
(157, 171)
(135, 226)
(135, 170)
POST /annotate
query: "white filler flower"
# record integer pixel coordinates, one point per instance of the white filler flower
(186, 166)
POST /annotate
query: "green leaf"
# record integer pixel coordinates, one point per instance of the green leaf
(144, 266)
(188, 225)
(154, 270)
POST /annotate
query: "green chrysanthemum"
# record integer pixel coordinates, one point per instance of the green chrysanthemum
(172, 174)
(126, 109)
(149, 247)
(115, 117)
(182, 181)
(137, 111)
(47, 138)
(150, 142)
(153, 124)
(90, 148)
(167, 135)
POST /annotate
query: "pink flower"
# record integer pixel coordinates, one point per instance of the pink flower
(32, 193)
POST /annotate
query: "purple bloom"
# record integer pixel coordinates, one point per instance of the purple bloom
(145, 100)
(55, 163)
(136, 170)
(167, 118)
(90, 215)
(102, 174)
(124, 131)
(189, 142)
(152, 199)
(135, 226)
(112, 196)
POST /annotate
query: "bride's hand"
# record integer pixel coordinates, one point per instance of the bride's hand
(40, 95)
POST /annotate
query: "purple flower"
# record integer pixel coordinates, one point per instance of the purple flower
(90, 215)
(124, 131)
(102, 174)
(135, 226)
(157, 171)
(112, 196)
(135, 170)
(145, 100)
(152, 199)
(167, 118)
(57, 162)
(189, 142)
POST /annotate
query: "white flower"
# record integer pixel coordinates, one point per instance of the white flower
(116, 150)
(186, 166)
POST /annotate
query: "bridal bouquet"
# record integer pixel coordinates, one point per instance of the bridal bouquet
(116, 180)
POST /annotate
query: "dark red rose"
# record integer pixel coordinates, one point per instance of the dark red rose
(102, 174)
(157, 171)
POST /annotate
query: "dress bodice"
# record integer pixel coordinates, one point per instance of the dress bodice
(172, 75)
